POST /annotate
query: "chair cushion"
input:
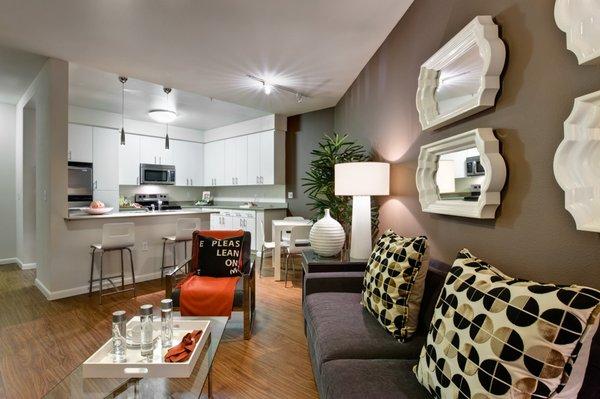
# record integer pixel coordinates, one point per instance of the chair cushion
(394, 282)
(338, 327)
(370, 378)
(504, 337)
(238, 296)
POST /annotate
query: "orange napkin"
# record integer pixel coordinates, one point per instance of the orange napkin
(183, 350)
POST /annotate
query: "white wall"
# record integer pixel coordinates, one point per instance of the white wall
(8, 233)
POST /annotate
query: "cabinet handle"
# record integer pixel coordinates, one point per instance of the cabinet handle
(256, 179)
(187, 182)
(95, 184)
(262, 180)
(69, 155)
(237, 180)
(137, 180)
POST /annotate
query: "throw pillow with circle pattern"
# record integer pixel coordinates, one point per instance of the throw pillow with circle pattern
(394, 282)
(496, 336)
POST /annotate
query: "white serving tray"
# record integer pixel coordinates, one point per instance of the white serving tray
(101, 365)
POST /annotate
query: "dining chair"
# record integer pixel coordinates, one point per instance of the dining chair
(298, 243)
(285, 235)
(267, 246)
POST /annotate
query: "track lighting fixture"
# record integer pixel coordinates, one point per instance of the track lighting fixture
(268, 88)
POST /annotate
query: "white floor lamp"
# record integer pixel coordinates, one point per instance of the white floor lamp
(361, 180)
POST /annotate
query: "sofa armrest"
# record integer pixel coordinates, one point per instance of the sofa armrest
(333, 282)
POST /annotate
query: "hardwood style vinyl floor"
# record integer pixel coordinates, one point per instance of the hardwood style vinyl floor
(42, 341)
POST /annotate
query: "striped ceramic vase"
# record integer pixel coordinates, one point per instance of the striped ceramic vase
(327, 236)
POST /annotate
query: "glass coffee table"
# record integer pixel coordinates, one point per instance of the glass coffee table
(75, 386)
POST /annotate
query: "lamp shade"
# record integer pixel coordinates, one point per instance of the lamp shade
(362, 178)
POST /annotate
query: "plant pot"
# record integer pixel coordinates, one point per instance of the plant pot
(327, 236)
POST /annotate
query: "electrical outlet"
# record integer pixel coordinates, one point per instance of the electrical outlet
(290, 194)
(144, 245)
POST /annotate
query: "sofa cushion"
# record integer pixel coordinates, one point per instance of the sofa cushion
(394, 281)
(370, 378)
(500, 336)
(338, 327)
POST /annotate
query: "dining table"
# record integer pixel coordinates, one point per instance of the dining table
(280, 226)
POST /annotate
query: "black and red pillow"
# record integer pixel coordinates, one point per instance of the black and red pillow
(219, 253)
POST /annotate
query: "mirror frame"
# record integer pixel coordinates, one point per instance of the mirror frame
(576, 162)
(495, 175)
(483, 33)
(579, 41)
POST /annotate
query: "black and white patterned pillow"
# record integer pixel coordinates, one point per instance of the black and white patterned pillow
(394, 282)
(496, 336)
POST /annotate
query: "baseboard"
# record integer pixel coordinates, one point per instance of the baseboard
(26, 266)
(53, 295)
(9, 261)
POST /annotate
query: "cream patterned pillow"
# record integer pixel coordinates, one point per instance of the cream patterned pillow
(495, 336)
(394, 281)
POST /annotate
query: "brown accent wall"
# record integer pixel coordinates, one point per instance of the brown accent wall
(303, 135)
(533, 235)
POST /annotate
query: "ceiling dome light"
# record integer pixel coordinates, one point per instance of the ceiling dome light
(268, 87)
(162, 115)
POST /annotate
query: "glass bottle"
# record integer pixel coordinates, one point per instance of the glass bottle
(166, 322)
(146, 327)
(119, 331)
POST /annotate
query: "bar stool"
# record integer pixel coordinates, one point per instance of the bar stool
(267, 246)
(115, 237)
(183, 233)
(299, 243)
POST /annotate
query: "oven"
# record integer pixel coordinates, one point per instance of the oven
(157, 174)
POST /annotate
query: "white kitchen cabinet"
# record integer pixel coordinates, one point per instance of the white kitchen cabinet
(152, 151)
(266, 158)
(236, 161)
(214, 163)
(129, 161)
(80, 143)
(110, 198)
(106, 159)
(189, 163)
(221, 221)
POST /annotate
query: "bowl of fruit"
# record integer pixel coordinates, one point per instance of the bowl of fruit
(97, 208)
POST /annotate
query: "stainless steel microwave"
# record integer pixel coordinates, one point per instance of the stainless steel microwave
(157, 174)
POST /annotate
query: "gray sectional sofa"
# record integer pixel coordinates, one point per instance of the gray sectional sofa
(354, 357)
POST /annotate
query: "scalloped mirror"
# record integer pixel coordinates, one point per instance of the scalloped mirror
(577, 162)
(463, 77)
(462, 175)
(580, 20)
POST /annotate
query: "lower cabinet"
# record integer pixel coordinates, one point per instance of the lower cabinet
(235, 220)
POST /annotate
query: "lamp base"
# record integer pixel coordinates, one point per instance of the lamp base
(361, 245)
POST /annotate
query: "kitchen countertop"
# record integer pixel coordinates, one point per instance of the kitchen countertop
(265, 206)
(79, 215)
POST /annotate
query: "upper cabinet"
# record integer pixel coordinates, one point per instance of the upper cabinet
(214, 163)
(236, 163)
(266, 158)
(80, 143)
(152, 151)
(188, 160)
(129, 161)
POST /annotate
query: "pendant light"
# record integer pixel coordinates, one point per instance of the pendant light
(122, 79)
(167, 90)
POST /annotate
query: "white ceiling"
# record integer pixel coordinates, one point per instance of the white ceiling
(17, 71)
(317, 47)
(91, 88)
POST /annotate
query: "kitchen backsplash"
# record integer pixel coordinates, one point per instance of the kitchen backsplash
(274, 193)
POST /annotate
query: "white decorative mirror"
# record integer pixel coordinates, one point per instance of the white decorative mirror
(577, 162)
(580, 20)
(463, 77)
(462, 175)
